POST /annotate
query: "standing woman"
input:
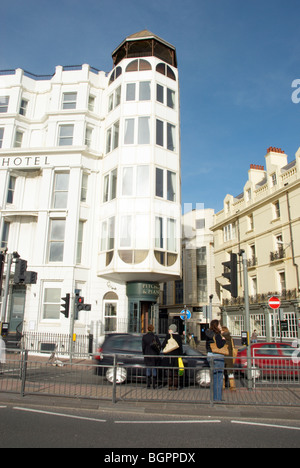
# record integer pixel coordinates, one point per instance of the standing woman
(173, 371)
(214, 336)
(151, 349)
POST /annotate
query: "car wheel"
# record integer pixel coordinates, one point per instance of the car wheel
(202, 378)
(121, 375)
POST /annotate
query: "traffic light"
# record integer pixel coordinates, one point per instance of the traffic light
(80, 305)
(20, 270)
(65, 305)
(22, 276)
(230, 273)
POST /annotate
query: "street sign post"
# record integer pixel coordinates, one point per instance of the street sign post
(185, 315)
(274, 303)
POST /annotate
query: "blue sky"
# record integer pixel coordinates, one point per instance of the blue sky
(237, 60)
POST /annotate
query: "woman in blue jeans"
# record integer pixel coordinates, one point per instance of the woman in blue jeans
(213, 334)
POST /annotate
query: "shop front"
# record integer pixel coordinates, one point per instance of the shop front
(142, 306)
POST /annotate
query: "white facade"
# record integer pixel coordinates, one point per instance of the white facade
(90, 187)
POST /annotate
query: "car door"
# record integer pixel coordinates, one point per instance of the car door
(134, 359)
(289, 365)
(266, 358)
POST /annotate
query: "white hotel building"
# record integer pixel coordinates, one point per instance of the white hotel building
(90, 187)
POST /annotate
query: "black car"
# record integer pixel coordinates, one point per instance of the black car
(130, 361)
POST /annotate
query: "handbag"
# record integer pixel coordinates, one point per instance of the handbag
(214, 348)
(181, 367)
(171, 346)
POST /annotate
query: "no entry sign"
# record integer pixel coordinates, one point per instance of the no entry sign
(274, 303)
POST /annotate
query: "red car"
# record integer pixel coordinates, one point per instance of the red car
(270, 359)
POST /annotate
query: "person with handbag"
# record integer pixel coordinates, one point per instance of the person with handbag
(229, 360)
(151, 347)
(216, 351)
(172, 346)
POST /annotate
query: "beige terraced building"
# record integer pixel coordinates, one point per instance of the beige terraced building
(264, 221)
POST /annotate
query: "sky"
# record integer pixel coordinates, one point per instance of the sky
(237, 60)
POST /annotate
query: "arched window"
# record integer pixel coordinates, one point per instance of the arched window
(138, 65)
(166, 70)
(115, 74)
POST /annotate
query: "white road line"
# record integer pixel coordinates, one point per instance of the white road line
(274, 426)
(211, 421)
(3, 407)
(59, 414)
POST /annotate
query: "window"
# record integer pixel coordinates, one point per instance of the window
(200, 223)
(282, 281)
(84, 187)
(126, 231)
(91, 104)
(18, 139)
(171, 233)
(115, 74)
(110, 186)
(159, 233)
(4, 100)
(51, 305)
(60, 192)
(160, 93)
(274, 179)
(5, 233)
(160, 96)
(108, 235)
(65, 135)
(11, 189)
(1, 136)
(135, 181)
(250, 222)
(130, 91)
(88, 136)
(56, 241)
(165, 184)
(166, 70)
(170, 137)
(69, 101)
(165, 241)
(144, 91)
(229, 232)
(112, 137)
(159, 132)
(276, 210)
(23, 107)
(143, 131)
(110, 317)
(138, 65)
(114, 100)
(79, 242)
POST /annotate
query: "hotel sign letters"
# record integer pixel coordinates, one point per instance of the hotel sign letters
(24, 161)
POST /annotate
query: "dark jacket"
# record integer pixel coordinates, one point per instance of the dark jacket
(173, 362)
(210, 335)
(148, 350)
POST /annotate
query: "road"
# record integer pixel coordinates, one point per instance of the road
(25, 426)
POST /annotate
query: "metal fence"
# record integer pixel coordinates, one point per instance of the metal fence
(268, 384)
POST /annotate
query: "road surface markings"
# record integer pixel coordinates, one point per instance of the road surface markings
(59, 414)
(273, 426)
(169, 422)
(3, 407)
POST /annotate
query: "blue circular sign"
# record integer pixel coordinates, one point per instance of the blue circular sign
(185, 314)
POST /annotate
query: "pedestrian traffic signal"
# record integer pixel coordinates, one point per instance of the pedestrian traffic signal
(230, 273)
(65, 305)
